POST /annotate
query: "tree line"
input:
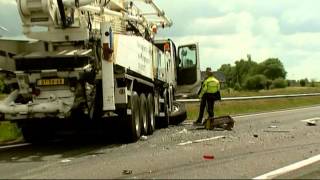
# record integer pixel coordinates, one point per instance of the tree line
(250, 75)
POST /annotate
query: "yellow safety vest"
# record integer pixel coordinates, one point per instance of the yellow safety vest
(210, 85)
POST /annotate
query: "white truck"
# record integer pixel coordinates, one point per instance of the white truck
(94, 60)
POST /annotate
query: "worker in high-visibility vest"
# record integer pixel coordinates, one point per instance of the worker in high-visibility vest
(209, 93)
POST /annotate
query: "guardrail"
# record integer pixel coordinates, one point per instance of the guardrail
(252, 97)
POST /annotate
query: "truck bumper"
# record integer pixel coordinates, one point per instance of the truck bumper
(13, 111)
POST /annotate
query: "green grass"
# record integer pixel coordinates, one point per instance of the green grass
(253, 106)
(288, 90)
(8, 132)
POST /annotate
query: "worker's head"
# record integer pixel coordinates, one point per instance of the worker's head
(209, 72)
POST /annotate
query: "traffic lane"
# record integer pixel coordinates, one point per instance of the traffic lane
(17, 160)
(240, 154)
(232, 160)
(160, 156)
(310, 172)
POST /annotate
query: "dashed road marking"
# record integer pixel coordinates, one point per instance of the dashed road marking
(312, 119)
(200, 140)
(14, 146)
(275, 112)
(290, 168)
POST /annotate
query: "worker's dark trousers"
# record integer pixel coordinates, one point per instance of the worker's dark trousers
(209, 99)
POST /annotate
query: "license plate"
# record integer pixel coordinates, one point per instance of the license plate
(50, 82)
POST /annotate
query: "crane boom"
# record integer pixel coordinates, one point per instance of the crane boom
(61, 19)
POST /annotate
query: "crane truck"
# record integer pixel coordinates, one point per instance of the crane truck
(97, 59)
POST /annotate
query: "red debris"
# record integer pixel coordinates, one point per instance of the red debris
(208, 157)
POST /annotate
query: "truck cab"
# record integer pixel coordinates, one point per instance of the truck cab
(186, 67)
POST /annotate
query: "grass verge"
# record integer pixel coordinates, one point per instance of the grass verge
(8, 132)
(253, 106)
(283, 91)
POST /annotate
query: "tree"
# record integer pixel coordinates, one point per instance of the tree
(256, 82)
(228, 71)
(272, 68)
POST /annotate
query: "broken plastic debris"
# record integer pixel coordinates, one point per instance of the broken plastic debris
(208, 157)
(273, 126)
(311, 123)
(277, 131)
(65, 160)
(144, 138)
(127, 172)
(183, 131)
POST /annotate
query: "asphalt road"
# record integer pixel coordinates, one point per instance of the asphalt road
(258, 144)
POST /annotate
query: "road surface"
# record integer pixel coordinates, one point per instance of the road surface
(259, 144)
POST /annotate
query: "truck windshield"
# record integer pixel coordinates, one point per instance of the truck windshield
(188, 55)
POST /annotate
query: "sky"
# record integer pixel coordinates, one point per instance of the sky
(228, 30)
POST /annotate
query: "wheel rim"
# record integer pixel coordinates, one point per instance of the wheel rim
(151, 113)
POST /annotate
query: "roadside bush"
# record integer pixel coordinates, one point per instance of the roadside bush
(268, 84)
(237, 87)
(2, 86)
(303, 83)
(256, 82)
(279, 83)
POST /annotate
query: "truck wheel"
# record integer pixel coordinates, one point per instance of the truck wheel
(143, 114)
(163, 122)
(151, 114)
(35, 134)
(133, 119)
(179, 113)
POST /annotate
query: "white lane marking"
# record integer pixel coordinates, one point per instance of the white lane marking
(289, 168)
(312, 119)
(13, 146)
(275, 112)
(201, 140)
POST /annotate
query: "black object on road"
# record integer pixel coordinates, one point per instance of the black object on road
(225, 122)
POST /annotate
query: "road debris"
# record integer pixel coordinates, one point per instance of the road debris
(273, 126)
(201, 140)
(144, 138)
(208, 157)
(312, 121)
(127, 172)
(277, 131)
(65, 160)
(225, 122)
(184, 131)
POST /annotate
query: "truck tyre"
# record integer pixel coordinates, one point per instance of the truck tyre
(179, 113)
(166, 109)
(133, 119)
(163, 122)
(144, 114)
(151, 114)
(35, 134)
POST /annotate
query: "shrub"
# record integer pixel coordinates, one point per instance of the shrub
(256, 82)
(303, 83)
(237, 87)
(2, 86)
(279, 83)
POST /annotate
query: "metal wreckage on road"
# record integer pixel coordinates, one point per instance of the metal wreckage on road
(91, 60)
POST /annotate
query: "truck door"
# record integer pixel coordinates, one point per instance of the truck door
(188, 71)
(188, 65)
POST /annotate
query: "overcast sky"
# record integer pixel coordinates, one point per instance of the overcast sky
(228, 30)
